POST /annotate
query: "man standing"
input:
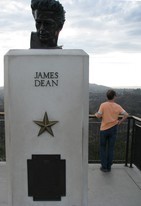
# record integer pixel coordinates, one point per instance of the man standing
(109, 111)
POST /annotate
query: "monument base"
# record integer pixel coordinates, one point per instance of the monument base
(46, 116)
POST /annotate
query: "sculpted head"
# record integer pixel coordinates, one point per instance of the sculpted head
(49, 18)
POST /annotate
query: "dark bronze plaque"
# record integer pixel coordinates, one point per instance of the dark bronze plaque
(46, 177)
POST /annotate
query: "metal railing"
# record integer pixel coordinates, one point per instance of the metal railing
(128, 143)
(135, 156)
(127, 148)
(121, 141)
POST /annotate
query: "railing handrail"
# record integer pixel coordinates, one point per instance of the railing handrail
(131, 122)
(93, 116)
(120, 116)
(136, 118)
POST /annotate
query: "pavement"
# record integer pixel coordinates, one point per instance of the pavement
(120, 187)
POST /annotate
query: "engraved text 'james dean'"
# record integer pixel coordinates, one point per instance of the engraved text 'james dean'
(46, 79)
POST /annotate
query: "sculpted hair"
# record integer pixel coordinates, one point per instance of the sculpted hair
(50, 5)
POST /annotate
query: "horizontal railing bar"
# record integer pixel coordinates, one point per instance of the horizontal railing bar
(136, 118)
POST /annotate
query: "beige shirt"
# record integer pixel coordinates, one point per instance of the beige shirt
(109, 111)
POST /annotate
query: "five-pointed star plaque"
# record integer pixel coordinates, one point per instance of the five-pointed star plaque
(45, 125)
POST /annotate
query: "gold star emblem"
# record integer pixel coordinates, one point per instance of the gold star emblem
(45, 125)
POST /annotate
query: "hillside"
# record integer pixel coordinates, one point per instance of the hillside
(129, 99)
(1, 99)
(95, 88)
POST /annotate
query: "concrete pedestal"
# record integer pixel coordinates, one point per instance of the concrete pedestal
(46, 114)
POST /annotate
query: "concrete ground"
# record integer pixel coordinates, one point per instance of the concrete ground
(120, 187)
(3, 185)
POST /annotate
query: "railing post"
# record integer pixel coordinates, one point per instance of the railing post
(132, 144)
(127, 143)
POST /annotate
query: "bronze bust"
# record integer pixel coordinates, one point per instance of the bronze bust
(49, 18)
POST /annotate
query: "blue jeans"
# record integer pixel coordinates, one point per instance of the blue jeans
(107, 143)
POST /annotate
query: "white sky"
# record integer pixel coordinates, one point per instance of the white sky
(108, 30)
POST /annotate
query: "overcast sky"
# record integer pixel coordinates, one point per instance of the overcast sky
(108, 30)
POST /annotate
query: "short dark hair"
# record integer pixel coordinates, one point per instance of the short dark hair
(111, 94)
(50, 5)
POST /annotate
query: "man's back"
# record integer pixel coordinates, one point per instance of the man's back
(109, 112)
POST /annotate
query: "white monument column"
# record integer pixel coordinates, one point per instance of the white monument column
(46, 117)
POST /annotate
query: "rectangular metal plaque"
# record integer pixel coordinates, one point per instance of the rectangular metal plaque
(46, 177)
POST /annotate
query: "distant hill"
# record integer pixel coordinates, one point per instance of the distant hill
(1, 99)
(95, 88)
(1, 89)
(129, 99)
